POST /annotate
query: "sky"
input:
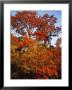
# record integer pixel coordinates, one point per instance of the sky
(56, 13)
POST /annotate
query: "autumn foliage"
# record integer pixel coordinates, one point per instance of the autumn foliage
(32, 55)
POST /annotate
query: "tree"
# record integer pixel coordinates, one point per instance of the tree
(31, 35)
(25, 21)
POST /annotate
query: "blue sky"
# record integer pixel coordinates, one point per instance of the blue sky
(56, 13)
